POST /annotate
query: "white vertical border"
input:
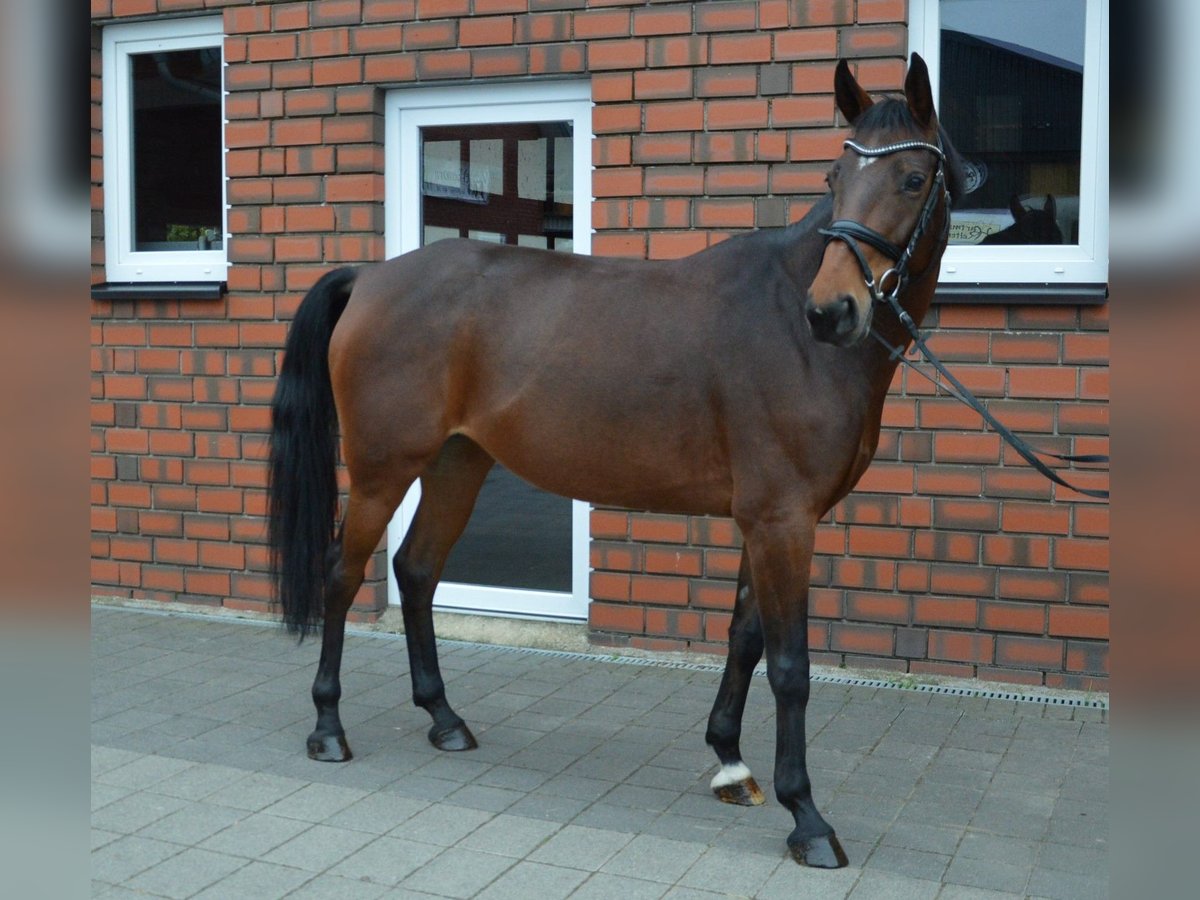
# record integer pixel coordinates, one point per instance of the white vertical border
(406, 112)
(121, 261)
(1086, 262)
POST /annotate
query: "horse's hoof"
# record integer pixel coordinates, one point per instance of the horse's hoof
(455, 738)
(734, 784)
(742, 793)
(329, 748)
(821, 852)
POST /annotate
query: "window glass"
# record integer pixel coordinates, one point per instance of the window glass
(1011, 99)
(508, 183)
(177, 197)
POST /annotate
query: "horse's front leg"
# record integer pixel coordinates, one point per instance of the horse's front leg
(780, 550)
(734, 783)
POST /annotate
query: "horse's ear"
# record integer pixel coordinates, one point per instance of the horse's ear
(918, 91)
(1014, 206)
(852, 100)
(1050, 208)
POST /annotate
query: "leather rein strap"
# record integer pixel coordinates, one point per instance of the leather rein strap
(851, 232)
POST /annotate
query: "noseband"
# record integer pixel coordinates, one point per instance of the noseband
(850, 232)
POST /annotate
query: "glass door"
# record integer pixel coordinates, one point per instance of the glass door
(500, 164)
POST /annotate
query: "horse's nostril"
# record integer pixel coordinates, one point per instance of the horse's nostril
(832, 320)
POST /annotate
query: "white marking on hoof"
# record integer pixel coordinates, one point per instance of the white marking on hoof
(731, 773)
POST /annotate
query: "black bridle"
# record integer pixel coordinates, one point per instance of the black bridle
(850, 233)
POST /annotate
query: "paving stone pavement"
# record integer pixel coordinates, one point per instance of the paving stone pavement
(591, 780)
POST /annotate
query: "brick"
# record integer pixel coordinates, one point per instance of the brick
(674, 622)
(946, 611)
(969, 581)
(673, 180)
(804, 111)
(662, 84)
(1029, 652)
(724, 214)
(683, 50)
(662, 148)
(873, 40)
(630, 54)
(965, 647)
(727, 81)
(673, 561)
(740, 48)
(1079, 622)
(876, 640)
(662, 21)
(736, 179)
(1029, 618)
(1071, 553)
(1027, 552)
(448, 64)
(556, 59)
(1088, 656)
(658, 589)
(601, 24)
(724, 147)
(736, 114)
(803, 44)
(870, 607)
(675, 245)
(543, 27)
(485, 31)
(1035, 518)
(674, 116)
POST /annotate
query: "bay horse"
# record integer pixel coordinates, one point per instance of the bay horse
(735, 382)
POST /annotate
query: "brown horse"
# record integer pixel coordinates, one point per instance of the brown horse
(690, 386)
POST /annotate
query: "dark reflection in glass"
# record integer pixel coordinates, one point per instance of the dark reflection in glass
(518, 537)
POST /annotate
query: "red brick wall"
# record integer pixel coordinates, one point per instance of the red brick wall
(710, 118)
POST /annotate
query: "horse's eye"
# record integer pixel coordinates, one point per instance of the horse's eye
(914, 182)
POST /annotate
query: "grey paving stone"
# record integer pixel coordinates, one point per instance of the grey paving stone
(255, 835)
(186, 873)
(580, 848)
(135, 811)
(603, 886)
(104, 794)
(443, 825)
(193, 823)
(315, 802)
(256, 791)
(730, 871)
(929, 838)
(119, 860)
(257, 881)
(793, 882)
(908, 862)
(458, 872)
(318, 848)
(509, 836)
(1067, 885)
(984, 873)
(962, 892)
(887, 886)
(385, 860)
(527, 880)
(377, 813)
(654, 859)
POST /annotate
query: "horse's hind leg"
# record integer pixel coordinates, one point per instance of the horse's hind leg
(448, 491)
(734, 783)
(365, 521)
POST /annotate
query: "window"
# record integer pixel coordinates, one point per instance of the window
(164, 176)
(1022, 89)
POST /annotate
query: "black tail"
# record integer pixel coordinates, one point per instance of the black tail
(303, 456)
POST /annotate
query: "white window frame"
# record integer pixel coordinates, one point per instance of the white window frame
(1082, 263)
(407, 111)
(122, 262)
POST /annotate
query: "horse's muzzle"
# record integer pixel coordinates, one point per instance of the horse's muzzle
(835, 323)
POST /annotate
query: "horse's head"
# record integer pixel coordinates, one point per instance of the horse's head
(890, 204)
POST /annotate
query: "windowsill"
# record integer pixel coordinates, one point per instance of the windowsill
(1023, 294)
(158, 290)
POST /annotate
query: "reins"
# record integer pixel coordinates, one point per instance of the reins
(851, 232)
